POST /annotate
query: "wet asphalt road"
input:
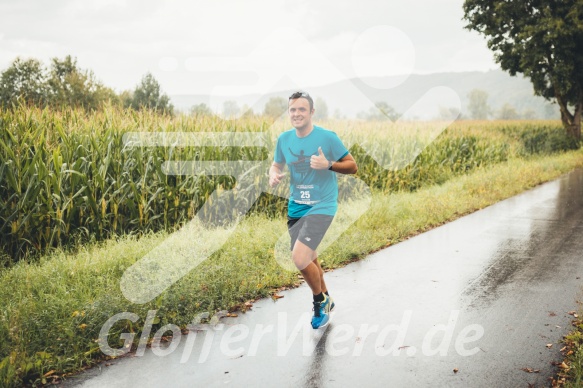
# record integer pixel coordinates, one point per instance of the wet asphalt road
(484, 294)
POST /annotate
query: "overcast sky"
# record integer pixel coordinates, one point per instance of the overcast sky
(232, 47)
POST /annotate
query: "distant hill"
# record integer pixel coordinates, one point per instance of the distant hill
(349, 97)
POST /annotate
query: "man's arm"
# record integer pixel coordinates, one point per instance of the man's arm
(346, 165)
(275, 175)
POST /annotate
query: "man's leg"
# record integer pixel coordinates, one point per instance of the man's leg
(317, 263)
(311, 230)
(313, 272)
(306, 261)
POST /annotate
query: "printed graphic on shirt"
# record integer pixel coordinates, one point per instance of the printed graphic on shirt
(302, 165)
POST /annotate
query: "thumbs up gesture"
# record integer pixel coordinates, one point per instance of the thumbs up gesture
(319, 162)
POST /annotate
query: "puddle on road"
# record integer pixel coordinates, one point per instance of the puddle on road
(530, 250)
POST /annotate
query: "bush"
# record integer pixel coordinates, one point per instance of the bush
(547, 140)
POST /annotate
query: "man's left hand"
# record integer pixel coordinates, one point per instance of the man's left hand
(319, 162)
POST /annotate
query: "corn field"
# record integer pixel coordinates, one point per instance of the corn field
(68, 176)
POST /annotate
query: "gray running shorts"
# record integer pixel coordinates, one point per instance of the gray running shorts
(309, 229)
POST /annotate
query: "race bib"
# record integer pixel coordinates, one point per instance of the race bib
(306, 194)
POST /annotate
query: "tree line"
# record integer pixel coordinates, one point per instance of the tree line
(64, 84)
(478, 108)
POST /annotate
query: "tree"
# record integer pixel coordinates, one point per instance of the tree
(201, 109)
(69, 85)
(148, 95)
(25, 80)
(507, 112)
(321, 107)
(386, 111)
(449, 113)
(338, 115)
(550, 111)
(478, 104)
(247, 111)
(542, 40)
(380, 112)
(275, 107)
(231, 108)
(529, 114)
(126, 98)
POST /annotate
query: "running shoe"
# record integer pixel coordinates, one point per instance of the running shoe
(321, 313)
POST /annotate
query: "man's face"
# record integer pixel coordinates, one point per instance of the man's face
(299, 113)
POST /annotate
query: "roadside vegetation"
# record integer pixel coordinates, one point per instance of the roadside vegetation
(79, 207)
(68, 176)
(570, 369)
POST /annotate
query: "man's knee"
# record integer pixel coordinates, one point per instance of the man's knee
(301, 260)
(302, 255)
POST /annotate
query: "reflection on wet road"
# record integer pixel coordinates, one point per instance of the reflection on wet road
(484, 294)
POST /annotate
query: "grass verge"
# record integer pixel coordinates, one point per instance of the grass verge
(570, 369)
(52, 310)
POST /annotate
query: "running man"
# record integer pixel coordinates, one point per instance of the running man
(313, 155)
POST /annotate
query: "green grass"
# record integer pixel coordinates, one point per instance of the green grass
(52, 309)
(570, 371)
(574, 373)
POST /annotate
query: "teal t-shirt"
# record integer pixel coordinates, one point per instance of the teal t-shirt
(311, 191)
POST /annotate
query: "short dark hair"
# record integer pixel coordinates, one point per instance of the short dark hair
(300, 94)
